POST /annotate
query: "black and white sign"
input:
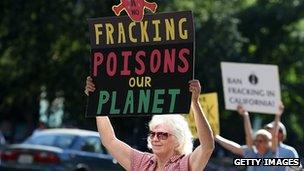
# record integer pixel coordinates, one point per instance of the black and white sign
(255, 86)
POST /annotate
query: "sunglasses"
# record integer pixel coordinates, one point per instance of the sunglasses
(159, 135)
(258, 141)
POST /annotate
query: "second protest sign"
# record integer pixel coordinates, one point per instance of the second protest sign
(255, 86)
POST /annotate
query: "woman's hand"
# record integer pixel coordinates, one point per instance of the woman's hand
(200, 156)
(195, 88)
(241, 110)
(90, 86)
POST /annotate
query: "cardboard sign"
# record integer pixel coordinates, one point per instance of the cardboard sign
(141, 68)
(209, 104)
(254, 86)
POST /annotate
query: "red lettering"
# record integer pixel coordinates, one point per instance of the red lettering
(155, 55)
(141, 69)
(98, 58)
(182, 56)
(169, 61)
(126, 55)
(112, 60)
(138, 62)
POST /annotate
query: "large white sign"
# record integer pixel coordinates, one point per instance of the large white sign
(254, 86)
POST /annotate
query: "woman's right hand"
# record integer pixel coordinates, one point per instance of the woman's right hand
(90, 86)
(241, 110)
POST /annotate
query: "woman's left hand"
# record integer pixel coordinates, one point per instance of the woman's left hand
(195, 88)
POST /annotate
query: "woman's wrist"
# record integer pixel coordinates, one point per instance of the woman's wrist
(195, 102)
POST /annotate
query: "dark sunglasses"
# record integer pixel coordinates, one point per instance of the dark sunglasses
(258, 141)
(159, 135)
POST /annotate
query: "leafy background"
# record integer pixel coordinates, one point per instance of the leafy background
(44, 47)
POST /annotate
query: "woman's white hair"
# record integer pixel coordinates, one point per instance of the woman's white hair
(179, 128)
(265, 134)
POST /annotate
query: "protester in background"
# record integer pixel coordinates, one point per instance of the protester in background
(263, 145)
(284, 151)
(169, 139)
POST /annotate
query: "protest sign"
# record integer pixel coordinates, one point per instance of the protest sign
(209, 104)
(255, 86)
(141, 68)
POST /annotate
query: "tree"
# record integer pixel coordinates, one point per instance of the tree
(44, 44)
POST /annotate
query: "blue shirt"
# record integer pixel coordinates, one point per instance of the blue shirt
(252, 153)
(285, 151)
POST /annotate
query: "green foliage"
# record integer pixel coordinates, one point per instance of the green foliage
(44, 44)
(269, 32)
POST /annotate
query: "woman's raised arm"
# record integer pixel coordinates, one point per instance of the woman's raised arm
(118, 149)
(200, 156)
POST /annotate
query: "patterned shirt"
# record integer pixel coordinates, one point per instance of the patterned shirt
(146, 161)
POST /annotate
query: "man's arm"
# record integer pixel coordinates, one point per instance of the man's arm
(275, 130)
(200, 156)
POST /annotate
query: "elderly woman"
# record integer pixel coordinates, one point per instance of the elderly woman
(169, 139)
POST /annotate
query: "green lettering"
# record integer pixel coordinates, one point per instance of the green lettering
(173, 93)
(103, 98)
(113, 110)
(144, 100)
(129, 102)
(157, 101)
